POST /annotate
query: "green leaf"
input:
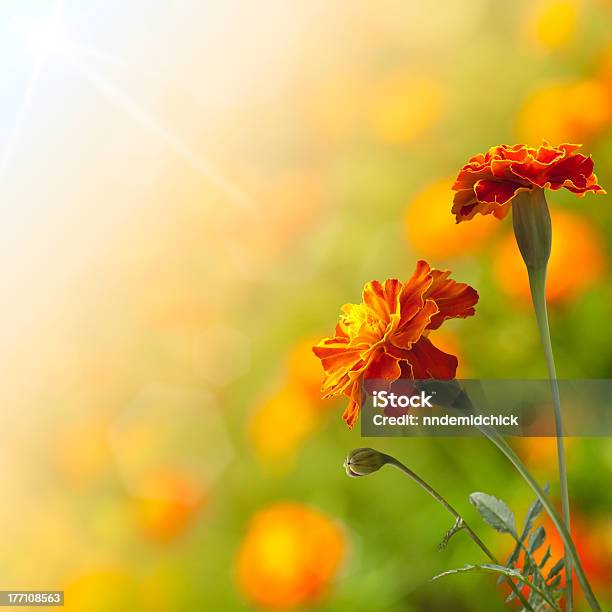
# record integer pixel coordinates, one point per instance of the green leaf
(556, 568)
(532, 514)
(546, 557)
(528, 567)
(537, 539)
(495, 512)
(458, 526)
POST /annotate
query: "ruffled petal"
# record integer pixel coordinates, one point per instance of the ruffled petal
(383, 367)
(336, 353)
(488, 183)
(351, 412)
(427, 361)
(453, 299)
(411, 298)
(496, 192)
(413, 329)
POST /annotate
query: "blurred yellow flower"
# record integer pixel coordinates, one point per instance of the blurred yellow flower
(404, 107)
(295, 408)
(432, 232)
(290, 556)
(566, 112)
(551, 24)
(576, 260)
(282, 422)
(170, 508)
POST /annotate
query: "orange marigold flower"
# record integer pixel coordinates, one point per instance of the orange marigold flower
(488, 183)
(385, 336)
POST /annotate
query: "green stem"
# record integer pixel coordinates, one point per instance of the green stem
(568, 543)
(537, 282)
(416, 478)
(533, 233)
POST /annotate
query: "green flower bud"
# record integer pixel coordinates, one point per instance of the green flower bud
(364, 461)
(532, 228)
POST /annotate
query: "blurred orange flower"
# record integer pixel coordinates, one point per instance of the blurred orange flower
(576, 260)
(289, 557)
(540, 453)
(542, 113)
(295, 408)
(304, 370)
(591, 546)
(385, 336)
(170, 508)
(488, 183)
(588, 543)
(430, 230)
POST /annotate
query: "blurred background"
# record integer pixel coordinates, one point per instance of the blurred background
(189, 192)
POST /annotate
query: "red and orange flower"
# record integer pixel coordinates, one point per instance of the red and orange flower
(385, 336)
(488, 183)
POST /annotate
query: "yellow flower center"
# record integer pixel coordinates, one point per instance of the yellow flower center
(355, 316)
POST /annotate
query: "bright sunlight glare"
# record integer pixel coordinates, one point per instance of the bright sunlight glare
(45, 38)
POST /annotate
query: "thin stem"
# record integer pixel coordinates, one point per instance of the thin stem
(416, 478)
(568, 543)
(537, 283)
(533, 233)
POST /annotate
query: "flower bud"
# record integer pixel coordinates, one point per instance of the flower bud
(364, 461)
(532, 228)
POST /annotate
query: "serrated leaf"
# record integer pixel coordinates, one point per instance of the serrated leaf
(555, 569)
(495, 512)
(532, 514)
(458, 526)
(545, 558)
(536, 539)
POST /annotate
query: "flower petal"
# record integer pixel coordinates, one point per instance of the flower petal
(411, 298)
(383, 367)
(488, 183)
(427, 361)
(453, 299)
(496, 192)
